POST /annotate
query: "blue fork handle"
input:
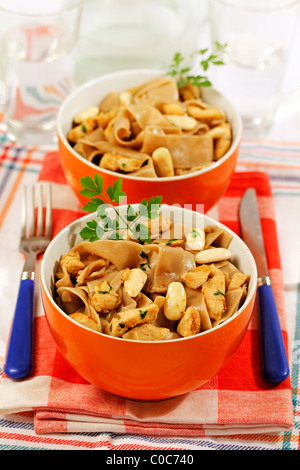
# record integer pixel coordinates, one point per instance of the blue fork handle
(275, 367)
(18, 362)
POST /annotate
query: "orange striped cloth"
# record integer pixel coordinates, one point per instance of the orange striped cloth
(236, 401)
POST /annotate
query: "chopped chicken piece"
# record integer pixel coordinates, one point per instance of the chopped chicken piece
(214, 294)
(190, 323)
(81, 131)
(196, 278)
(135, 282)
(115, 161)
(147, 332)
(104, 117)
(85, 320)
(71, 261)
(131, 318)
(105, 298)
(237, 280)
(158, 226)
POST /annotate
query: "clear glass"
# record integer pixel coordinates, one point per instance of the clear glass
(37, 49)
(127, 34)
(258, 35)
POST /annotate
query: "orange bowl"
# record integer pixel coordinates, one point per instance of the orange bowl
(145, 370)
(205, 186)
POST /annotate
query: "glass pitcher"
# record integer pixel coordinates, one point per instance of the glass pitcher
(130, 34)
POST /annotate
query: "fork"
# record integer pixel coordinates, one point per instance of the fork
(35, 237)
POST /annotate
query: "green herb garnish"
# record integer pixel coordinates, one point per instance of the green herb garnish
(219, 293)
(105, 291)
(143, 313)
(195, 233)
(133, 220)
(142, 266)
(170, 242)
(83, 128)
(182, 74)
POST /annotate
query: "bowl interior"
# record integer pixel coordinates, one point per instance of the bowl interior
(69, 236)
(95, 90)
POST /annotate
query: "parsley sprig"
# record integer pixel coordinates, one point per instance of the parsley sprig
(182, 73)
(113, 227)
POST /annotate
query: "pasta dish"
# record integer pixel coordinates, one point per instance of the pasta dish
(153, 130)
(163, 290)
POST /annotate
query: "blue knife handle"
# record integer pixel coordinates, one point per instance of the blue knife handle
(19, 353)
(275, 367)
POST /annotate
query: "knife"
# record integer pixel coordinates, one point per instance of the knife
(275, 367)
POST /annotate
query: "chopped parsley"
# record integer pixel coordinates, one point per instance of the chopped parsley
(143, 313)
(142, 266)
(195, 233)
(105, 291)
(219, 293)
(170, 242)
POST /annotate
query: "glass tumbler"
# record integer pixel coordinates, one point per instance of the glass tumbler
(37, 44)
(258, 37)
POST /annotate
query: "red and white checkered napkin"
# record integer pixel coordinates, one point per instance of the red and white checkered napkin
(235, 401)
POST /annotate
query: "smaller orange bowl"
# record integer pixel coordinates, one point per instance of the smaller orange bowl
(149, 370)
(204, 186)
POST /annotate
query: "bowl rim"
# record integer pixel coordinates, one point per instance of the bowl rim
(154, 73)
(207, 219)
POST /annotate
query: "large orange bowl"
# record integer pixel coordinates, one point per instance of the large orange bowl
(202, 187)
(145, 370)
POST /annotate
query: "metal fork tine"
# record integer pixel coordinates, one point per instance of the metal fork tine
(40, 217)
(24, 213)
(48, 229)
(32, 214)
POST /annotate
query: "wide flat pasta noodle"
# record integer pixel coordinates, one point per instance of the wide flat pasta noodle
(86, 151)
(108, 147)
(127, 303)
(195, 299)
(156, 91)
(92, 270)
(121, 253)
(108, 276)
(121, 130)
(64, 279)
(217, 236)
(167, 266)
(146, 171)
(233, 300)
(74, 299)
(186, 150)
(112, 100)
(146, 115)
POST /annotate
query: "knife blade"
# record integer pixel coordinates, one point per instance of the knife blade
(275, 367)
